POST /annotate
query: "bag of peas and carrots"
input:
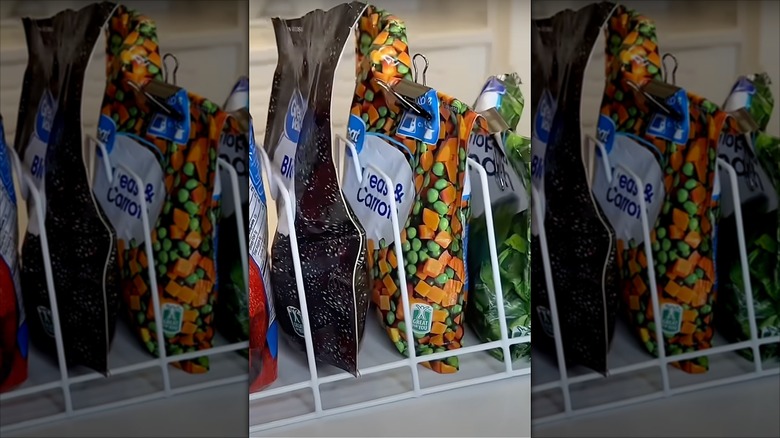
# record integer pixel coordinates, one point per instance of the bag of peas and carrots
(264, 329)
(751, 155)
(428, 167)
(581, 242)
(509, 187)
(679, 169)
(232, 306)
(13, 324)
(331, 241)
(177, 160)
(49, 141)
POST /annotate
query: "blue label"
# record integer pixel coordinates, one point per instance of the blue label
(241, 86)
(45, 116)
(272, 337)
(544, 117)
(22, 340)
(744, 85)
(294, 120)
(356, 133)
(106, 133)
(416, 127)
(605, 133)
(6, 176)
(668, 128)
(165, 127)
(255, 169)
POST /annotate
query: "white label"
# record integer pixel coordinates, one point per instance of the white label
(9, 232)
(296, 319)
(284, 157)
(119, 198)
(258, 225)
(620, 199)
(483, 149)
(671, 318)
(172, 318)
(369, 198)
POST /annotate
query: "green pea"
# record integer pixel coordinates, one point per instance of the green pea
(412, 257)
(402, 326)
(406, 246)
(454, 246)
(167, 244)
(666, 244)
(705, 309)
(411, 269)
(161, 270)
(416, 244)
(693, 224)
(440, 207)
(390, 318)
(206, 309)
(433, 195)
(426, 180)
(438, 169)
(369, 96)
(140, 317)
(151, 346)
(691, 184)
(161, 233)
(191, 279)
(415, 211)
(382, 110)
(684, 248)
(699, 273)
(191, 207)
(691, 280)
(690, 207)
(656, 246)
(435, 252)
(661, 233)
(682, 196)
(423, 256)
(400, 346)
(195, 224)
(380, 122)
(162, 257)
(450, 272)
(183, 195)
(640, 318)
(441, 279)
(452, 361)
(411, 232)
(688, 169)
(444, 224)
(191, 184)
(667, 207)
(661, 269)
(662, 257)
(200, 272)
(156, 245)
(441, 184)
(205, 246)
(189, 169)
(456, 309)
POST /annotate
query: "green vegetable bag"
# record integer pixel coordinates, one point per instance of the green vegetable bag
(508, 170)
(758, 179)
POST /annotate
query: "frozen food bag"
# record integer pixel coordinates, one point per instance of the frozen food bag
(509, 188)
(580, 241)
(427, 161)
(331, 241)
(232, 306)
(13, 324)
(175, 154)
(264, 329)
(676, 160)
(751, 156)
(82, 243)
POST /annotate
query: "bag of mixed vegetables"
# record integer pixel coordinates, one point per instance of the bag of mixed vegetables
(174, 151)
(13, 325)
(233, 303)
(263, 328)
(675, 156)
(82, 244)
(751, 156)
(580, 241)
(331, 241)
(507, 165)
(427, 162)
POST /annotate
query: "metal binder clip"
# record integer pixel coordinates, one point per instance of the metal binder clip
(497, 126)
(425, 70)
(656, 93)
(406, 94)
(158, 93)
(165, 67)
(674, 71)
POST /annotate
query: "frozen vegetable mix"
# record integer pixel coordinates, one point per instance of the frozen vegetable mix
(49, 141)
(508, 183)
(13, 324)
(331, 241)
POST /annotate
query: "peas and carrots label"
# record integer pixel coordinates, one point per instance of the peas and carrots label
(183, 235)
(682, 235)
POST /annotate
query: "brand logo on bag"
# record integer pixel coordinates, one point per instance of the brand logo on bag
(422, 318)
(605, 133)
(45, 117)
(544, 117)
(47, 322)
(295, 113)
(106, 133)
(671, 318)
(666, 127)
(356, 133)
(169, 129)
(172, 316)
(416, 127)
(296, 319)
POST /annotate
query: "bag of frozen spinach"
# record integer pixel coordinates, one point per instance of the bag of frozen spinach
(675, 157)
(506, 165)
(331, 241)
(581, 242)
(427, 159)
(13, 324)
(232, 306)
(751, 154)
(174, 151)
(49, 141)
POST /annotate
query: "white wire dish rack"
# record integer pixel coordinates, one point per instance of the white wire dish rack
(53, 392)
(306, 390)
(634, 376)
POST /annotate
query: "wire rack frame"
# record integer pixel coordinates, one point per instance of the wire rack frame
(565, 382)
(277, 190)
(29, 191)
